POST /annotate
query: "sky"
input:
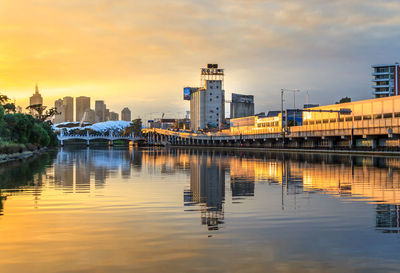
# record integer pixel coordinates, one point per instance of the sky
(141, 54)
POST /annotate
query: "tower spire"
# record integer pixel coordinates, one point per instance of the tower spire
(36, 89)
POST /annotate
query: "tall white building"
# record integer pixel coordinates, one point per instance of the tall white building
(207, 103)
(386, 79)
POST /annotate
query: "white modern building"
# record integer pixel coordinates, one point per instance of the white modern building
(207, 103)
(386, 79)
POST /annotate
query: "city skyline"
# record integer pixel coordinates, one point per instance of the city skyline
(146, 58)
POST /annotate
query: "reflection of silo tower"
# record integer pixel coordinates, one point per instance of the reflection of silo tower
(207, 188)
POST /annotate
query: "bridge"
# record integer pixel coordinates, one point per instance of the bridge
(88, 137)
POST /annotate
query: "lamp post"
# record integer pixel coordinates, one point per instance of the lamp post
(294, 107)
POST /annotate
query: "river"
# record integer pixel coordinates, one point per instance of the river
(198, 210)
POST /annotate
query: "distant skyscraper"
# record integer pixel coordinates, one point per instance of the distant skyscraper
(106, 114)
(59, 105)
(69, 108)
(90, 116)
(114, 116)
(126, 114)
(82, 104)
(99, 110)
(36, 98)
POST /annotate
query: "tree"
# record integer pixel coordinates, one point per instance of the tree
(4, 99)
(43, 115)
(9, 107)
(135, 127)
(344, 100)
(38, 108)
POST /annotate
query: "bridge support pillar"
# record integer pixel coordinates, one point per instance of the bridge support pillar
(87, 142)
(373, 145)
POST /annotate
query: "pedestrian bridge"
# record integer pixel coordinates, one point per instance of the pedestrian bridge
(88, 137)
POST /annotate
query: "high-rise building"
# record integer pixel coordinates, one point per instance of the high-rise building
(90, 116)
(386, 78)
(69, 108)
(242, 106)
(59, 105)
(207, 103)
(114, 116)
(99, 110)
(82, 105)
(36, 98)
(126, 114)
(106, 114)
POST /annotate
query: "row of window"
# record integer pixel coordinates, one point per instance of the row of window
(356, 118)
(268, 124)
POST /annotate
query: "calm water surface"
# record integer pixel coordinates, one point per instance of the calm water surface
(160, 210)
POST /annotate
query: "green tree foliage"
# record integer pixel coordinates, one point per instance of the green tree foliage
(9, 107)
(21, 128)
(135, 127)
(41, 113)
(4, 99)
(344, 100)
(26, 129)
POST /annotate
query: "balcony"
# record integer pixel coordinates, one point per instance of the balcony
(381, 80)
(381, 73)
(381, 86)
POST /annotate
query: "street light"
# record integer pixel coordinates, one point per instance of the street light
(294, 102)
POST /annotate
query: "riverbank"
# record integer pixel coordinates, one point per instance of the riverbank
(294, 150)
(4, 158)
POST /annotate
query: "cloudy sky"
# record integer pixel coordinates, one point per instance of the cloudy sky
(141, 54)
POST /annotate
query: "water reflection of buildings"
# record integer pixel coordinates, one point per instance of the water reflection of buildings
(82, 170)
(388, 218)
(374, 179)
(207, 189)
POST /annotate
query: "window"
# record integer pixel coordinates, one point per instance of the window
(210, 94)
(305, 122)
(357, 118)
(397, 115)
(325, 121)
(217, 87)
(217, 108)
(388, 115)
(311, 122)
(210, 99)
(217, 114)
(332, 120)
(378, 116)
(367, 117)
(341, 119)
(211, 87)
(318, 122)
(217, 97)
(349, 119)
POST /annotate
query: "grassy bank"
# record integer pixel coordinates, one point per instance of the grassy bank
(10, 151)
